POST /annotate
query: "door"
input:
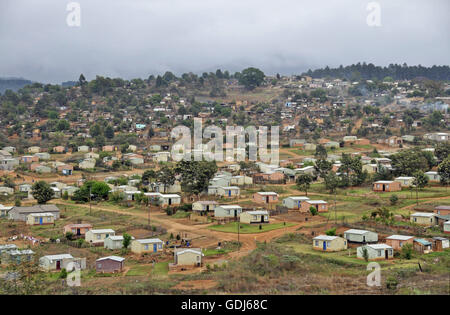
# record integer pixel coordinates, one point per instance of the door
(229, 193)
(324, 245)
(364, 239)
(262, 219)
(78, 232)
(40, 221)
(154, 248)
(58, 265)
(235, 213)
(170, 201)
(386, 254)
(267, 199)
(384, 189)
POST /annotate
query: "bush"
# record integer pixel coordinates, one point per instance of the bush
(331, 232)
(313, 210)
(391, 283)
(393, 199)
(407, 251)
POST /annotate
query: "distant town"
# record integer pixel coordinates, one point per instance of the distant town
(92, 200)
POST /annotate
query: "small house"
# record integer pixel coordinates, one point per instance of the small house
(265, 197)
(16, 256)
(40, 218)
(170, 199)
(397, 241)
(294, 202)
(405, 181)
(202, 206)
(433, 176)
(97, 237)
(188, 257)
(227, 211)
(152, 245)
(21, 213)
(254, 217)
(114, 242)
(229, 191)
(375, 252)
(423, 218)
(446, 227)
(386, 186)
(423, 246)
(77, 230)
(442, 210)
(110, 264)
(62, 261)
(440, 243)
(320, 205)
(328, 243)
(360, 236)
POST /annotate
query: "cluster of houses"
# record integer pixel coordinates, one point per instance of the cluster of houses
(373, 250)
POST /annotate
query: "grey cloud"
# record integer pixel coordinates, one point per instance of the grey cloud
(135, 38)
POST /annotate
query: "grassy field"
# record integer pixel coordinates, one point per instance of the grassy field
(248, 228)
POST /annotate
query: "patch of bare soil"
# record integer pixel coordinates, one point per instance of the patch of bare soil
(195, 285)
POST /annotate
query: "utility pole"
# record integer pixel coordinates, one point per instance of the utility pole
(90, 196)
(239, 230)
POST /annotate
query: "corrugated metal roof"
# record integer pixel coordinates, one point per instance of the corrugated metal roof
(116, 258)
(325, 238)
(399, 237)
(149, 240)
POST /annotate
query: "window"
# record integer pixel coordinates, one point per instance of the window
(36, 220)
(99, 236)
(379, 252)
(49, 219)
(316, 243)
(146, 247)
(159, 245)
(401, 244)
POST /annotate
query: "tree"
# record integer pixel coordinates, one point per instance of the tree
(321, 152)
(109, 132)
(303, 182)
(166, 176)
(98, 191)
(409, 161)
(42, 192)
(444, 171)
(331, 232)
(442, 151)
(195, 175)
(420, 181)
(126, 240)
(331, 184)
(147, 176)
(323, 167)
(393, 199)
(313, 210)
(251, 78)
(365, 253)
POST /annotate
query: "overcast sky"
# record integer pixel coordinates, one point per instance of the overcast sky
(135, 38)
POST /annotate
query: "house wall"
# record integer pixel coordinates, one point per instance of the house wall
(94, 239)
(335, 245)
(263, 199)
(31, 220)
(398, 244)
(188, 259)
(139, 248)
(422, 220)
(251, 218)
(305, 205)
(370, 237)
(374, 254)
(109, 265)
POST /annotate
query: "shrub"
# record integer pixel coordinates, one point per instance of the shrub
(313, 210)
(393, 199)
(407, 251)
(391, 283)
(331, 232)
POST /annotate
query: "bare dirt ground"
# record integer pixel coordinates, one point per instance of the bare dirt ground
(195, 285)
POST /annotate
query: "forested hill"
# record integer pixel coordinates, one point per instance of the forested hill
(370, 71)
(12, 84)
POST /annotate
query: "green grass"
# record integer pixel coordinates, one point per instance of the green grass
(180, 215)
(248, 228)
(160, 269)
(140, 270)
